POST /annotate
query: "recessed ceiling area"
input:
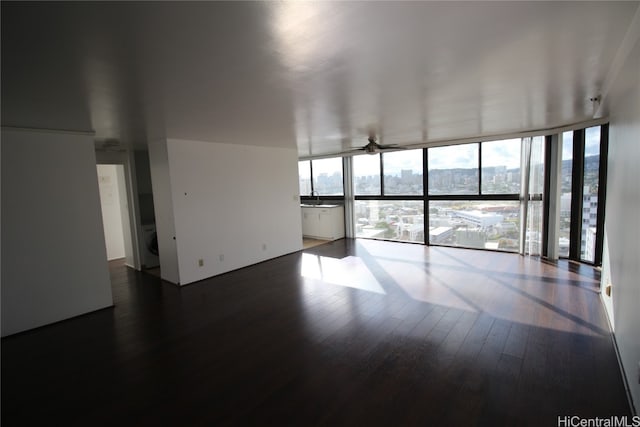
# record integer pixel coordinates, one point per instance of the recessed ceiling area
(319, 76)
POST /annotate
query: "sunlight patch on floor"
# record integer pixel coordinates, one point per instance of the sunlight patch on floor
(418, 284)
(349, 272)
(308, 242)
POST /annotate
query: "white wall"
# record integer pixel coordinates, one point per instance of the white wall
(54, 262)
(607, 300)
(622, 231)
(162, 200)
(237, 201)
(111, 210)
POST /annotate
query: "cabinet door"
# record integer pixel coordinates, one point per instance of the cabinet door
(325, 221)
(305, 222)
(309, 222)
(337, 223)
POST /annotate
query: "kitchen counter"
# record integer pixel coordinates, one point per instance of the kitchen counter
(318, 206)
(324, 222)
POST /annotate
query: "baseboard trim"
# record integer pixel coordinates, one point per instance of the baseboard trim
(625, 381)
(47, 325)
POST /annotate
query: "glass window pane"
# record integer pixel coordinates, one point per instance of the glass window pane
(590, 193)
(366, 173)
(501, 166)
(401, 220)
(533, 242)
(536, 177)
(453, 169)
(403, 172)
(475, 224)
(327, 176)
(304, 177)
(565, 194)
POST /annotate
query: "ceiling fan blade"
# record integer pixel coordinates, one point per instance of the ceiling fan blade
(392, 146)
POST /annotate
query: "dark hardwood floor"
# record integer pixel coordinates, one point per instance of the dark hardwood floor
(348, 333)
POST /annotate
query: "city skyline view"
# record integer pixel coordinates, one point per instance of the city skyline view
(455, 170)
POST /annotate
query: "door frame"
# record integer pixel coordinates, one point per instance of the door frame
(125, 159)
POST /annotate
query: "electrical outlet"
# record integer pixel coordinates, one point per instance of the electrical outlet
(200, 262)
(221, 257)
(264, 246)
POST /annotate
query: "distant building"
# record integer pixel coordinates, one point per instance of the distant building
(440, 234)
(471, 237)
(565, 204)
(479, 219)
(589, 220)
(439, 221)
(564, 247)
(590, 244)
(406, 174)
(507, 226)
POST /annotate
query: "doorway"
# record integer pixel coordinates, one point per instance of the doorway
(115, 213)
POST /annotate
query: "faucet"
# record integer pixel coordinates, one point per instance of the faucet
(317, 196)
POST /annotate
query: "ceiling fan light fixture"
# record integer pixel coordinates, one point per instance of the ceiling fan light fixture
(371, 147)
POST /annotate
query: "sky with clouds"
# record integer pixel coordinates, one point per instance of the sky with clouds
(494, 153)
(591, 143)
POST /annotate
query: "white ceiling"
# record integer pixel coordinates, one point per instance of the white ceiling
(316, 75)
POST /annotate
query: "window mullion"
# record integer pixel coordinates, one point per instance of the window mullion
(311, 175)
(425, 194)
(577, 179)
(480, 168)
(602, 192)
(381, 174)
(525, 170)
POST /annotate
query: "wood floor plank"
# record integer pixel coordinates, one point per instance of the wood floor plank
(420, 336)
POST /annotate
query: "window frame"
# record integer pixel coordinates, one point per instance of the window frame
(577, 195)
(479, 196)
(382, 177)
(479, 169)
(323, 197)
(379, 175)
(577, 174)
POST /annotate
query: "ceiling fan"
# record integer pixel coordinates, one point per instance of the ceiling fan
(373, 147)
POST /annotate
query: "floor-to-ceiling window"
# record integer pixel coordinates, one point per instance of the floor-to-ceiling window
(388, 190)
(584, 157)
(564, 234)
(483, 195)
(534, 205)
(590, 185)
(474, 195)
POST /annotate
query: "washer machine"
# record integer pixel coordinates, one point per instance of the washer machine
(150, 246)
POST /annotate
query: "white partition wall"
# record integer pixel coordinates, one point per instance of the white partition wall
(162, 200)
(621, 268)
(227, 205)
(54, 263)
(234, 205)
